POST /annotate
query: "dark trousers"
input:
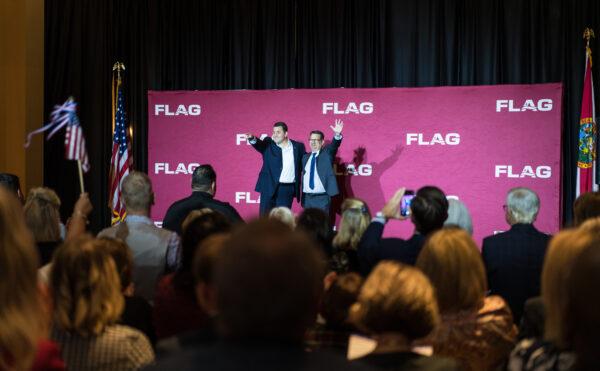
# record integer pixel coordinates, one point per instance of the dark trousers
(283, 196)
(317, 201)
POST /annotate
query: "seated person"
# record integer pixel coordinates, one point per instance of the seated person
(428, 211)
(396, 306)
(268, 282)
(334, 328)
(175, 307)
(87, 298)
(476, 330)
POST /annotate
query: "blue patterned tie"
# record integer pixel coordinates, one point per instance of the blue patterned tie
(311, 176)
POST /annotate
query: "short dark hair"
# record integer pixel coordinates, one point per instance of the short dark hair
(282, 125)
(338, 299)
(316, 224)
(10, 182)
(586, 206)
(429, 209)
(206, 257)
(196, 232)
(203, 177)
(317, 132)
(269, 280)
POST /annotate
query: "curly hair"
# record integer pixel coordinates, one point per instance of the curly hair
(86, 288)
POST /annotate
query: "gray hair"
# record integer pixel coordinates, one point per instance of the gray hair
(458, 215)
(523, 205)
(137, 191)
(283, 214)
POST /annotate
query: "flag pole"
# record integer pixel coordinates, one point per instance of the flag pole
(81, 188)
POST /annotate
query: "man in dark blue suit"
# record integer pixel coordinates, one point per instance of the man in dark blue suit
(318, 178)
(514, 259)
(279, 178)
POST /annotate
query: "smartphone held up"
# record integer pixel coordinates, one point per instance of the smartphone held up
(405, 202)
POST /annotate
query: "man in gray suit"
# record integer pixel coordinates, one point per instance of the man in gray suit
(318, 178)
(155, 251)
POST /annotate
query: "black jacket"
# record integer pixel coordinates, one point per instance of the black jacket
(372, 248)
(513, 261)
(197, 200)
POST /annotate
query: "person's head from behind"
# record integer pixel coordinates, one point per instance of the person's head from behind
(269, 282)
(137, 193)
(316, 140)
(280, 132)
(586, 206)
(85, 287)
(582, 323)
(203, 270)
(22, 321)
(429, 209)
(452, 262)
(338, 298)
(284, 215)
(204, 179)
(396, 298)
(197, 230)
(42, 214)
(563, 249)
(353, 223)
(121, 254)
(11, 183)
(522, 206)
(458, 216)
(315, 223)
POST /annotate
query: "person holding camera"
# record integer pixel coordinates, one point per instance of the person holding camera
(427, 210)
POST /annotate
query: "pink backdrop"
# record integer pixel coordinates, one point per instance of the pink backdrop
(474, 142)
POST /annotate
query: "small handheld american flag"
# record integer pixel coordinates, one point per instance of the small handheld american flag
(75, 142)
(61, 116)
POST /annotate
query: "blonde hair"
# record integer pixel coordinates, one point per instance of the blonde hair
(284, 215)
(85, 286)
(453, 263)
(355, 220)
(396, 298)
(563, 249)
(22, 319)
(42, 214)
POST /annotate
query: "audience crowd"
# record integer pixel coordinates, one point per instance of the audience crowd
(208, 291)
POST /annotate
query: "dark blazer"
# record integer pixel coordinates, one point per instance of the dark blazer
(325, 166)
(254, 355)
(372, 248)
(513, 261)
(197, 200)
(268, 178)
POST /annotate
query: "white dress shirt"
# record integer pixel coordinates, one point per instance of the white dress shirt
(319, 188)
(288, 173)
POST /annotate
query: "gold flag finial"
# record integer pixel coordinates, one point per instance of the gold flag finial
(118, 66)
(588, 33)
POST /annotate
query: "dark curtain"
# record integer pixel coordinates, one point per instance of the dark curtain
(279, 44)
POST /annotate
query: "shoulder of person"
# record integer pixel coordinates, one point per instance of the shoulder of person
(108, 232)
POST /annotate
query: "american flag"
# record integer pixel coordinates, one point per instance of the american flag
(119, 163)
(75, 143)
(61, 116)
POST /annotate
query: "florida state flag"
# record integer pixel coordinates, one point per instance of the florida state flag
(586, 179)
